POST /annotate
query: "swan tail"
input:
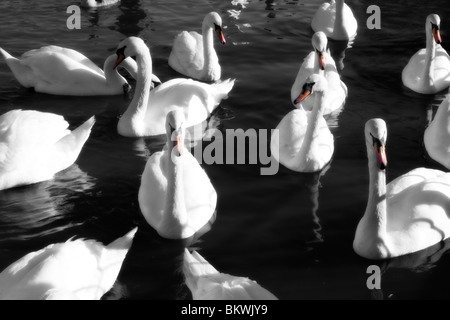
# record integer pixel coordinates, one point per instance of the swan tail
(195, 267)
(112, 259)
(67, 149)
(21, 72)
(222, 88)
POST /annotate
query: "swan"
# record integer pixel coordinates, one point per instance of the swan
(98, 3)
(146, 114)
(75, 270)
(206, 283)
(336, 19)
(428, 71)
(302, 140)
(437, 135)
(193, 54)
(409, 214)
(320, 61)
(61, 71)
(35, 145)
(176, 196)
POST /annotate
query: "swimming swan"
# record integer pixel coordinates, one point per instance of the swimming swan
(302, 140)
(98, 3)
(319, 61)
(36, 145)
(336, 20)
(409, 214)
(146, 114)
(428, 71)
(61, 71)
(193, 54)
(74, 270)
(437, 135)
(176, 196)
(206, 283)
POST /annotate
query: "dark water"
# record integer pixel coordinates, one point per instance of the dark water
(291, 232)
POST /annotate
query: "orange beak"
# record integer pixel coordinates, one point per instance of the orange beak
(120, 58)
(179, 144)
(322, 62)
(302, 96)
(437, 36)
(381, 156)
(221, 36)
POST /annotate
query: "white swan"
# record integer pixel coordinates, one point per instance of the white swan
(409, 214)
(437, 135)
(74, 270)
(61, 71)
(428, 71)
(336, 20)
(98, 3)
(176, 196)
(193, 54)
(320, 61)
(206, 283)
(36, 145)
(146, 114)
(302, 141)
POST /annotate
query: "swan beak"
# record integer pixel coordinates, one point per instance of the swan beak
(120, 58)
(381, 156)
(322, 63)
(180, 145)
(302, 96)
(437, 35)
(220, 34)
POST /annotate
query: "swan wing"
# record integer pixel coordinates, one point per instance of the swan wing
(187, 54)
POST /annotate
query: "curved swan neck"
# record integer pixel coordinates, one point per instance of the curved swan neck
(208, 46)
(175, 215)
(339, 22)
(312, 131)
(376, 205)
(429, 59)
(135, 113)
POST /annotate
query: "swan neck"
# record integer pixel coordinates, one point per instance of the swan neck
(339, 22)
(313, 129)
(175, 215)
(138, 106)
(429, 59)
(376, 205)
(208, 47)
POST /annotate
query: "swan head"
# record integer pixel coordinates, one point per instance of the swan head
(175, 128)
(320, 42)
(315, 83)
(213, 20)
(376, 135)
(433, 26)
(130, 47)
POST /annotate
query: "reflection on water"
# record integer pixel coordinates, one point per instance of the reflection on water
(35, 210)
(129, 22)
(338, 49)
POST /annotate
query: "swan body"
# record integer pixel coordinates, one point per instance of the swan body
(206, 283)
(409, 214)
(193, 54)
(336, 20)
(36, 145)
(428, 71)
(74, 270)
(176, 196)
(437, 135)
(302, 141)
(61, 71)
(319, 61)
(98, 3)
(147, 112)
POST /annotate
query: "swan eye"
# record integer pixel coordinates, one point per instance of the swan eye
(434, 26)
(121, 51)
(308, 87)
(376, 142)
(217, 27)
